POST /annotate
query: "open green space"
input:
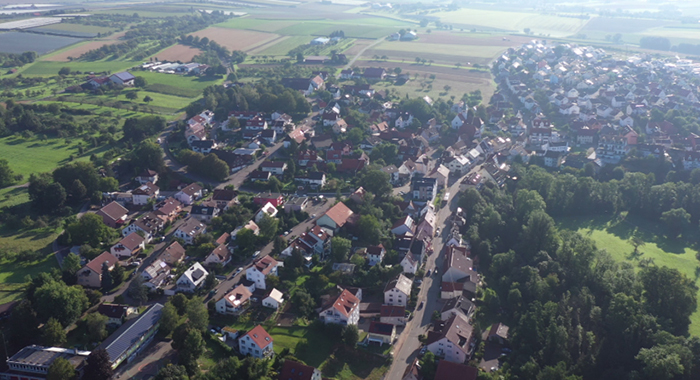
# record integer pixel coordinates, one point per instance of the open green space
(32, 155)
(555, 26)
(284, 46)
(51, 68)
(478, 51)
(178, 85)
(613, 234)
(317, 28)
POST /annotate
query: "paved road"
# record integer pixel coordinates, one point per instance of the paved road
(317, 208)
(359, 54)
(408, 345)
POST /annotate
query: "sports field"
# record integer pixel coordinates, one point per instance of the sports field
(613, 236)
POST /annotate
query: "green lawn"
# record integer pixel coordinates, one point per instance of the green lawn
(178, 85)
(555, 26)
(613, 236)
(27, 156)
(51, 68)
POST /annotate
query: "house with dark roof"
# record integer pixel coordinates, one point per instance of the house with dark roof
(447, 370)
(256, 343)
(149, 225)
(453, 340)
(129, 246)
(381, 333)
(395, 315)
(33, 362)
(457, 305)
(91, 274)
(374, 73)
(205, 212)
(189, 230)
(132, 337)
(116, 313)
(292, 370)
(144, 193)
(113, 214)
(189, 194)
(498, 333)
(147, 175)
(220, 255)
(224, 198)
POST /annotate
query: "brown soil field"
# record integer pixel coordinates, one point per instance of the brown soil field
(465, 39)
(357, 47)
(236, 39)
(78, 50)
(178, 53)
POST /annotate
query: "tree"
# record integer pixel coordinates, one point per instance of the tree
(89, 229)
(117, 274)
(132, 95)
(340, 249)
(147, 99)
(53, 334)
(7, 176)
(376, 182)
(539, 234)
(98, 365)
(58, 300)
(148, 155)
(23, 323)
(636, 242)
(106, 280)
(64, 71)
(172, 372)
(216, 168)
(46, 196)
(97, 326)
(189, 345)
(526, 202)
(669, 295)
(351, 335)
(428, 365)
(61, 369)
(268, 227)
(303, 303)
(71, 264)
(169, 319)
(665, 362)
(137, 290)
(197, 314)
(140, 82)
(369, 229)
(675, 220)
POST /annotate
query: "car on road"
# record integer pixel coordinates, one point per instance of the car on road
(429, 271)
(286, 233)
(421, 305)
(239, 270)
(437, 231)
(256, 254)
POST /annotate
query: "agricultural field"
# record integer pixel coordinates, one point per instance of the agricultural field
(177, 52)
(613, 236)
(235, 39)
(178, 85)
(18, 42)
(78, 28)
(77, 50)
(551, 25)
(49, 68)
(261, 25)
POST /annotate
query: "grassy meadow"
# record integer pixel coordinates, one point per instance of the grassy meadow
(613, 236)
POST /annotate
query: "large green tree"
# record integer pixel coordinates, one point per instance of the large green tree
(7, 176)
(172, 372)
(61, 369)
(58, 300)
(376, 182)
(340, 248)
(669, 295)
(98, 365)
(53, 334)
(89, 229)
(675, 220)
(96, 326)
(197, 314)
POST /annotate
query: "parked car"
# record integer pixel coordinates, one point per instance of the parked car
(421, 305)
(256, 254)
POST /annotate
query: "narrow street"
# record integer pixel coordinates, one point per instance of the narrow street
(408, 345)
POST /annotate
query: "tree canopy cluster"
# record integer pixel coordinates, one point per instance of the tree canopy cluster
(574, 311)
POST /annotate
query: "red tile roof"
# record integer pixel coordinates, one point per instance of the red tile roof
(392, 311)
(114, 210)
(131, 241)
(447, 370)
(260, 336)
(340, 213)
(265, 265)
(346, 302)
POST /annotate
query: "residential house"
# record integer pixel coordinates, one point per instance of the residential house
(168, 209)
(374, 73)
(457, 305)
(307, 158)
(116, 314)
(395, 315)
(256, 124)
(553, 159)
(274, 167)
(498, 333)
(343, 310)
(144, 193)
(113, 214)
(268, 209)
(224, 198)
(447, 370)
(375, 254)
(398, 291)
(458, 165)
(315, 180)
(189, 230)
(292, 370)
(129, 246)
(273, 300)
(611, 149)
(249, 226)
(424, 189)
(316, 241)
(382, 333)
(91, 274)
(586, 136)
(205, 212)
(403, 226)
(260, 269)
(220, 255)
(146, 176)
(269, 136)
(193, 278)
(347, 74)
(256, 343)
(189, 194)
(234, 302)
(393, 172)
(453, 341)
(155, 275)
(275, 199)
(173, 255)
(203, 146)
(148, 225)
(295, 204)
(409, 263)
(259, 175)
(336, 217)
